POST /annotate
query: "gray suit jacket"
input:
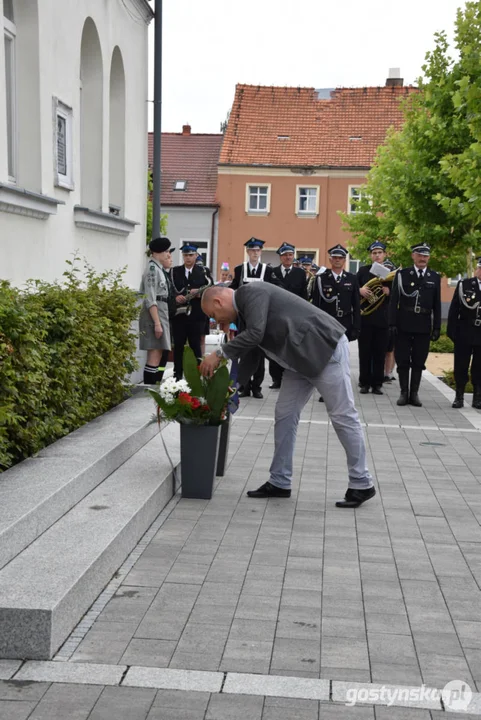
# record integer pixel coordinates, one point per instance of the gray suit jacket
(299, 334)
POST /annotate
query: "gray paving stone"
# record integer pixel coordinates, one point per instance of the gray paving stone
(384, 694)
(22, 690)
(396, 674)
(60, 702)
(344, 652)
(341, 712)
(8, 668)
(147, 652)
(234, 707)
(397, 713)
(79, 673)
(257, 607)
(181, 700)
(391, 649)
(247, 656)
(249, 684)
(11, 710)
(295, 654)
(171, 679)
(388, 623)
(123, 703)
(287, 709)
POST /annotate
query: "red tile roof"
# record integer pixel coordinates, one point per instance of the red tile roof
(190, 157)
(340, 132)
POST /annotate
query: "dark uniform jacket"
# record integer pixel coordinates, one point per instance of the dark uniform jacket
(295, 281)
(238, 280)
(379, 317)
(341, 300)
(464, 318)
(420, 313)
(197, 279)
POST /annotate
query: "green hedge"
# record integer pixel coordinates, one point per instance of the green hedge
(65, 351)
(443, 345)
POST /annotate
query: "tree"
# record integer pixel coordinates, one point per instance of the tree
(425, 182)
(163, 218)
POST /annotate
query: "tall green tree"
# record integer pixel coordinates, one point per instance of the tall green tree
(425, 184)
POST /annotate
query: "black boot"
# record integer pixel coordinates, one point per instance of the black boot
(459, 399)
(403, 375)
(477, 397)
(416, 374)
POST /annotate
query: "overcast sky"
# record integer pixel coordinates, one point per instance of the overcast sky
(210, 45)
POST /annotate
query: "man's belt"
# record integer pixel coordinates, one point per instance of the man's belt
(418, 310)
(161, 299)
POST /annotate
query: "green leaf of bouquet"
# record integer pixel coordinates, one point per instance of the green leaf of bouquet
(191, 372)
(216, 394)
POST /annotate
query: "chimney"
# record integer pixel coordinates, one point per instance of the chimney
(186, 129)
(394, 79)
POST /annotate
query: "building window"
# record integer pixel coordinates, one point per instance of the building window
(258, 199)
(10, 33)
(355, 194)
(180, 185)
(307, 200)
(63, 144)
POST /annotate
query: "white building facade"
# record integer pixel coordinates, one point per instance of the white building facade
(73, 136)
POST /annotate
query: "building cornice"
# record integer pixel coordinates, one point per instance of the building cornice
(102, 222)
(24, 202)
(289, 171)
(144, 8)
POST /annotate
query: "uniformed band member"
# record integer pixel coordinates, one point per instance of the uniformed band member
(415, 317)
(154, 328)
(189, 323)
(464, 329)
(294, 280)
(337, 293)
(374, 337)
(306, 264)
(252, 270)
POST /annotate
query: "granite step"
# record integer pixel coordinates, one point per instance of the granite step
(37, 492)
(49, 586)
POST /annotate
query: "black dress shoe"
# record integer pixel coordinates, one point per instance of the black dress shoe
(377, 390)
(268, 490)
(364, 390)
(353, 498)
(244, 393)
(257, 394)
(274, 386)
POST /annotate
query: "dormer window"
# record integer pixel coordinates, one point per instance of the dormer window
(180, 185)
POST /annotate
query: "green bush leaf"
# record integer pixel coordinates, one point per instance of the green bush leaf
(191, 372)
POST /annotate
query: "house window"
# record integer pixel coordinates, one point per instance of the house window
(10, 33)
(180, 185)
(258, 199)
(355, 194)
(307, 200)
(354, 265)
(63, 144)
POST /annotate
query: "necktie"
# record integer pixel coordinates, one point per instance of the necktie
(286, 272)
(338, 279)
(420, 274)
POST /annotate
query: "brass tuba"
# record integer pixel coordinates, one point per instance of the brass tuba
(372, 303)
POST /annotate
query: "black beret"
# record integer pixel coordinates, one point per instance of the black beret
(159, 245)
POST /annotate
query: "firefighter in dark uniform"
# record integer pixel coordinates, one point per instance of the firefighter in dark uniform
(464, 329)
(252, 270)
(415, 319)
(374, 338)
(337, 293)
(189, 323)
(294, 280)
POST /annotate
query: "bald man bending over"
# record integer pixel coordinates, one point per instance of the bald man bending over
(312, 348)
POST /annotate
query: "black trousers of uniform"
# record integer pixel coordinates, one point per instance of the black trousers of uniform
(411, 350)
(256, 379)
(463, 351)
(373, 342)
(186, 330)
(275, 371)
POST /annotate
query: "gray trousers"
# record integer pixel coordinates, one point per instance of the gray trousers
(334, 384)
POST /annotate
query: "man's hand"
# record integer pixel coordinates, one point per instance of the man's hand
(209, 364)
(180, 299)
(158, 330)
(365, 291)
(435, 335)
(386, 290)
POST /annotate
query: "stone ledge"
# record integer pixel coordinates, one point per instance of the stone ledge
(37, 492)
(47, 589)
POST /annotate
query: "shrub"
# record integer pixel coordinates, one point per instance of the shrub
(448, 378)
(65, 351)
(443, 345)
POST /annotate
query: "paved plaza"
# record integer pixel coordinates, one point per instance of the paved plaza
(265, 599)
